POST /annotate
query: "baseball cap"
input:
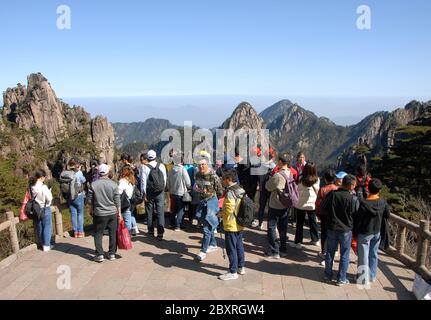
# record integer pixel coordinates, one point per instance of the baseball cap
(341, 175)
(104, 169)
(151, 155)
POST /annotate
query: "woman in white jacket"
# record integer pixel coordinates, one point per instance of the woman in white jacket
(43, 197)
(308, 188)
(127, 185)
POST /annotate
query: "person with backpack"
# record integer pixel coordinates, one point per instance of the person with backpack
(208, 188)
(41, 197)
(283, 196)
(179, 186)
(308, 189)
(321, 214)
(105, 208)
(373, 209)
(154, 181)
(126, 188)
(232, 229)
(340, 206)
(72, 182)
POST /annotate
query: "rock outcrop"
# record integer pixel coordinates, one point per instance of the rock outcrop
(103, 137)
(43, 130)
(244, 117)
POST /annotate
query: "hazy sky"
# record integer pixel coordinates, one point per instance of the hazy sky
(218, 47)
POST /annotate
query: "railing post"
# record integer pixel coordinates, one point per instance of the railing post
(58, 222)
(421, 255)
(401, 240)
(13, 233)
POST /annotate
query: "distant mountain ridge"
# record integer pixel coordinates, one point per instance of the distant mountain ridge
(293, 128)
(148, 131)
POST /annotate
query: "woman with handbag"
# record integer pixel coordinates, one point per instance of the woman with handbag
(125, 189)
(179, 185)
(43, 196)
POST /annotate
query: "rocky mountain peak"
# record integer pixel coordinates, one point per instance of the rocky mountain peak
(244, 117)
(36, 120)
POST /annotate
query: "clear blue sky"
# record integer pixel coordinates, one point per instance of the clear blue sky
(192, 47)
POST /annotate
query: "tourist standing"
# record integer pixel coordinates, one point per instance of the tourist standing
(233, 231)
(154, 183)
(43, 196)
(308, 188)
(278, 213)
(126, 188)
(340, 206)
(207, 187)
(105, 207)
(179, 184)
(372, 211)
(321, 214)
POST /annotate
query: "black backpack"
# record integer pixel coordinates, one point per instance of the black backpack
(33, 209)
(155, 181)
(246, 211)
(125, 202)
(137, 197)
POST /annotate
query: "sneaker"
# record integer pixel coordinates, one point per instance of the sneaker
(228, 276)
(75, 235)
(255, 224)
(271, 255)
(137, 230)
(47, 248)
(99, 259)
(201, 256)
(283, 254)
(323, 263)
(160, 237)
(212, 249)
(111, 257)
(81, 235)
(322, 256)
(177, 229)
(342, 283)
(241, 271)
(295, 245)
(327, 280)
(151, 234)
(373, 280)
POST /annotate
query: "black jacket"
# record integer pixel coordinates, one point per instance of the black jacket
(370, 215)
(340, 206)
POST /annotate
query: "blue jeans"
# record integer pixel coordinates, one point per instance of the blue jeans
(178, 214)
(209, 237)
(156, 205)
(235, 251)
(277, 219)
(44, 228)
(345, 241)
(207, 214)
(77, 213)
(368, 248)
(129, 220)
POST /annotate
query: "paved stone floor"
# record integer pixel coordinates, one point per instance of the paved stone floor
(167, 270)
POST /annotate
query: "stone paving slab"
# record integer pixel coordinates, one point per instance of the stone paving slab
(168, 270)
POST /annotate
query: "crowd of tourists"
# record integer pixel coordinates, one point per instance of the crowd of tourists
(343, 210)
